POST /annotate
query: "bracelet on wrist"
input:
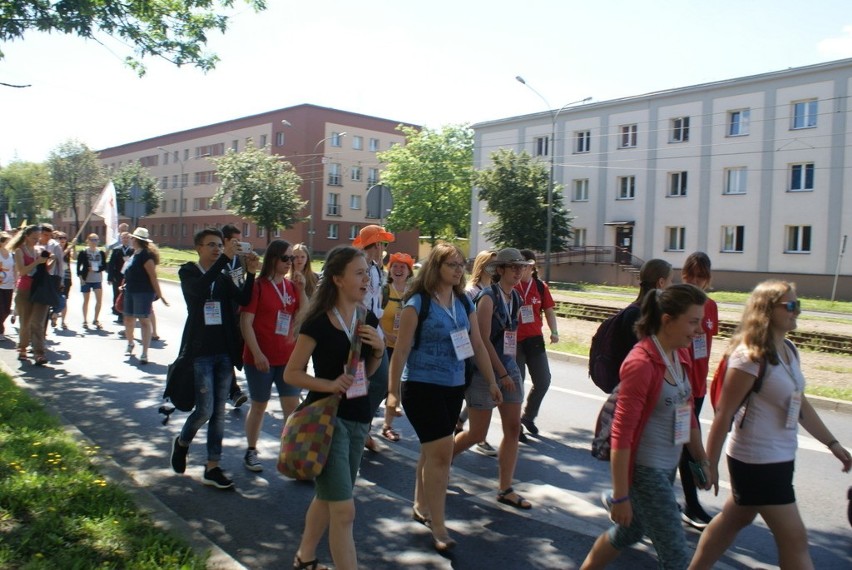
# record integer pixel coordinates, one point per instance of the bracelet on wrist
(620, 500)
(830, 443)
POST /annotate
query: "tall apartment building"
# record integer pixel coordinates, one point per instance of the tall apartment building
(333, 151)
(753, 170)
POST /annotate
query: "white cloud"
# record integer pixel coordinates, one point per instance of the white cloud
(839, 46)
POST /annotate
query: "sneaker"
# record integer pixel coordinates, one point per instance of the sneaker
(179, 453)
(251, 461)
(485, 448)
(238, 399)
(530, 426)
(216, 478)
(697, 518)
(522, 437)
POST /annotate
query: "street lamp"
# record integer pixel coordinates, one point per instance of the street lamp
(554, 115)
(312, 160)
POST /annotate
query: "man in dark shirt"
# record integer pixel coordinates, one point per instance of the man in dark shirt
(236, 270)
(117, 258)
(211, 340)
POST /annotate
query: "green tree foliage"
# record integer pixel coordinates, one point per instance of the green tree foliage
(260, 187)
(23, 187)
(76, 178)
(430, 180)
(515, 188)
(176, 30)
(134, 173)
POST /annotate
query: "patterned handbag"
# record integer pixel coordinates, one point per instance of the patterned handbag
(306, 439)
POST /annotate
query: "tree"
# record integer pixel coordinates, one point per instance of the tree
(515, 188)
(134, 173)
(76, 178)
(430, 181)
(175, 30)
(260, 187)
(23, 187)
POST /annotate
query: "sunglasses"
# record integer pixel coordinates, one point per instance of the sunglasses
(791, 306)
(287, 258)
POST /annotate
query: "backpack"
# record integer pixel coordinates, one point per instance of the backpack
(601, 445)
(604, 364)
(722, 369)
(500, 309)
(425, 305)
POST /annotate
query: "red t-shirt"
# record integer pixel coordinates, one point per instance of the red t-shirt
(266, 302)
(701, 366)
(540, 302)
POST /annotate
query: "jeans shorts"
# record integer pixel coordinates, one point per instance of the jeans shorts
(478, 396)
(337, 479)
(260, 383)
(86, 287)
(138, 305)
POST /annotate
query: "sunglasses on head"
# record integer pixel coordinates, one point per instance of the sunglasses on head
(791, 306)
(287, 258)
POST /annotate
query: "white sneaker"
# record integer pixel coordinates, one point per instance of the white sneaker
(485, 448)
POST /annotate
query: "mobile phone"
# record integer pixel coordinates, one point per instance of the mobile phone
(244, 247)
(699, 472)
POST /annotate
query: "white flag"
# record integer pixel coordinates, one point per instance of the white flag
(8, 226)
(107, 208)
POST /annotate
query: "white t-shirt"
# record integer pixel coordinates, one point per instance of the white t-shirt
(7, 271)
(763, 437)
(373, 299)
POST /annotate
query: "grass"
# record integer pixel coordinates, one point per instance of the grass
(826, 392)
(57, 511)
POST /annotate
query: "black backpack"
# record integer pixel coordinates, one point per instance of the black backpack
(604, 360)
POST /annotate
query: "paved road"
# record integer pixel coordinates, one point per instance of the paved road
(113, 400)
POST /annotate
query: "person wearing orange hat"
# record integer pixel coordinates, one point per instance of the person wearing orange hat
(400, 270)
(372, 240)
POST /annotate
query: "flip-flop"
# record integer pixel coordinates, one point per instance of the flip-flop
(519, 503)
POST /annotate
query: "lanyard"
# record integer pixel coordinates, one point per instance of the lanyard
(282, 293)
(788, 367)
(677, 374)
(212, 285)
(452, 305)
(527, 291)
(506, 306)
(350, 330)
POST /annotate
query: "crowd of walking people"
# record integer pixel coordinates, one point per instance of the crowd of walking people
(446, 352)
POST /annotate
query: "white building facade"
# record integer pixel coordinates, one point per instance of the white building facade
(753, 171)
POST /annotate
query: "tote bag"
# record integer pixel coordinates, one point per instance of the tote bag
(306, 439)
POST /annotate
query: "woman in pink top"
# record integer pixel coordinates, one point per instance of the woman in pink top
(27, 258)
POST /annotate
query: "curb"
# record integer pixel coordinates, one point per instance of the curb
(820, 402)
(161, 515)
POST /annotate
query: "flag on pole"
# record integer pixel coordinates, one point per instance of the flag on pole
(8, 223)
(107, 208)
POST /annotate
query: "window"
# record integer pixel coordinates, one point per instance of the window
(164, 209)
(675, 238)
(372, 176)
(355, 173)
(540, 146)
(374, 145)
(261, 232)
(802, 177)
(210, 150)
(334, 174)
(184, 180)
(174, 159)
(174, 180)
(333, 231)
(235, 145)
(677, 184)
(738, 122)
(680, 129)
(207, 177)
(199, 203)
(335, 139)
(183, 205)
(354, 231)
(735, 180)
(804, 114)
(628, 136)
(732, 239)
(583, 141)
(279, 138)
(174, 206)
(149, 161)
(798, 239)
(581, 190)
(333, 206)
(245, 232)
(355, 202)
(174, 230)
(165, 158)
(626, 187)
(579, 237)
(185, 154)
(276, 233)
(163, 229)
(164, 183)
(358, 143)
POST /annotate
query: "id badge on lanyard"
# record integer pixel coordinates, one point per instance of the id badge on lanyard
(699, 347)
(510, 343)
(682, 424)
(212, 313)
(358, 388)
(794, 410)
(461, 344)
(282, 323)
(527, 315)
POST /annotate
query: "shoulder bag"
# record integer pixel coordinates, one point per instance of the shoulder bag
(306, 438)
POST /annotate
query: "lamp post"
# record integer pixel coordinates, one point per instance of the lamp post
(554, 115)
(312, 160)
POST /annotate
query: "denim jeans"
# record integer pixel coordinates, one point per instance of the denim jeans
(212, 382)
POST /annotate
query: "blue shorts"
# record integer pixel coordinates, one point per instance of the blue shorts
(260, 383)
(86, 287)
(138, 305)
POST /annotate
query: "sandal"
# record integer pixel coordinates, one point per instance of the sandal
(371, 444)
(518, 503)
(22, 354)
(40, 361)
(98, 325)
(389, 434)
(422, 519)
(443, 544)
(309, 565)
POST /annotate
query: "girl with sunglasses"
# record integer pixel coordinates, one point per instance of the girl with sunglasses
(764, 426)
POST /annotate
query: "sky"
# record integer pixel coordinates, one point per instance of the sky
(428, 63)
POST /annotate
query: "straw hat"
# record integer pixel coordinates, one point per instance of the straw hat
(141, 234)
